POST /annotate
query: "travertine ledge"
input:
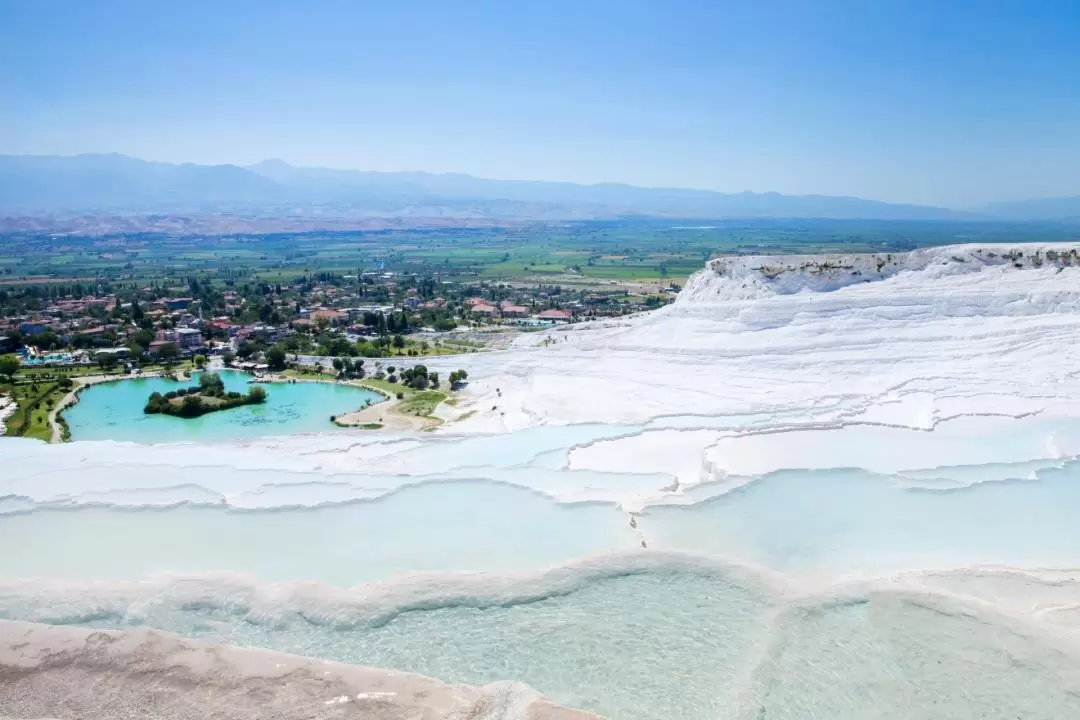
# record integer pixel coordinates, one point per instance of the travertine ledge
(67, 672)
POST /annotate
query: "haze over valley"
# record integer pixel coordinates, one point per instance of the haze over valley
(112, 183)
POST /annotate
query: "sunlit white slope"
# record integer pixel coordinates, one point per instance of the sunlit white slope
(987, 329)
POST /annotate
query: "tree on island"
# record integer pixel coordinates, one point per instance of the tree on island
(208, 396)
(210, 383)
(191, 406)
(9, 365)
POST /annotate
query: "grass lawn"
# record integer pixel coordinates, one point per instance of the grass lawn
(35, 401)
(28, 373)
(389, 388)
(419, 348)
(421, 403)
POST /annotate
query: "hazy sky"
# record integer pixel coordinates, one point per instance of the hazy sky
(935, 101)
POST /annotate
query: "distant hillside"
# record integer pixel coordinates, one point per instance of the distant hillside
(94, 183)
(614, 197)
(100, 182)
(1060, 208)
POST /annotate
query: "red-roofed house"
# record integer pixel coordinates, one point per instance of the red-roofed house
(555, 316)
(332, 317)
(513, 311)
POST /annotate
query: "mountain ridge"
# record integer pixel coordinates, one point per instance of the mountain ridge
(98, 182)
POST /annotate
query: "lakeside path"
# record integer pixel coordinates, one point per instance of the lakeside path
(384, 413)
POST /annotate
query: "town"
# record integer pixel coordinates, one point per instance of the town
(250, 321)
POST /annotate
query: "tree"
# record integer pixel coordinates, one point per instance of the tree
(191, 406)
(143, 337)
(457, 377)
(107, 361)
(256, 394)
(198, 361)
(399, 342)
(445, 324)
(418, 377)
(275, 358)
(228, 356)
(9, 365)
(168, 352)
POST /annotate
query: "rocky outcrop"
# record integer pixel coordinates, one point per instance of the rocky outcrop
(66, 672)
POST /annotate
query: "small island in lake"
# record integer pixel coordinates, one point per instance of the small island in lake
(206, 397)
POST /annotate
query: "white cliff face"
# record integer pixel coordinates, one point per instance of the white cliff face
(752, 277)
(816, 427)
(807, 338)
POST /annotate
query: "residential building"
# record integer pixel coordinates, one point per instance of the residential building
(181, 303)
(332, 317)
(509, 310)
(188, 338)
(33, 327)
(554, 316)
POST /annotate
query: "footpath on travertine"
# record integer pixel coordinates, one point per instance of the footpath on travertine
(69, 672)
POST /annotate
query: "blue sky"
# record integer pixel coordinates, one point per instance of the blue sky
(942, 102)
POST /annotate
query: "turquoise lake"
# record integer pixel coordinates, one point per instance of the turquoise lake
(114, 411)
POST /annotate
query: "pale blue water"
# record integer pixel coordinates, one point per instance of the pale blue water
(688, 645)
(461, 526)
(114, 411)
(660, 642)
(841, 521)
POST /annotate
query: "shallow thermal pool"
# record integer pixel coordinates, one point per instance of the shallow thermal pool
(668, 641)
(114, 410)
(447, 578)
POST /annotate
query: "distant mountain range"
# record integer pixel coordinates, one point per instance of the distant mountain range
(113, 183)
(97, 183)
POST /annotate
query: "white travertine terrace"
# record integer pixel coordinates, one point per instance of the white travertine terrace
(871, 440)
